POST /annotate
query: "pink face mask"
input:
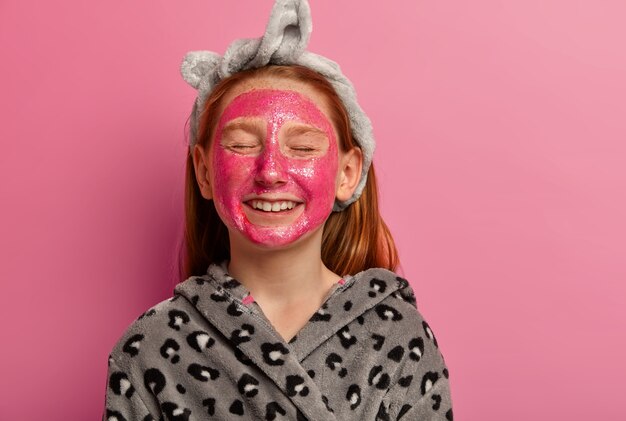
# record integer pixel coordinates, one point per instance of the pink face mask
(274, 165)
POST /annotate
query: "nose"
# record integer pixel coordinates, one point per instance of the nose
(270, 167)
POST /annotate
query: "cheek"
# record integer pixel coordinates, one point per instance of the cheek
(317, 176)
(231, 175)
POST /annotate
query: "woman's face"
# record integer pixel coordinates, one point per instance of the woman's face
(274, 163)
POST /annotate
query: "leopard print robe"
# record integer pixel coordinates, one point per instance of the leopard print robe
(209, 353)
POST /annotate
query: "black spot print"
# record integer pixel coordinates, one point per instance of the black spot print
(195, 299)
(382, 414)
(234, 310)
(396, 353)
(379, 341)
(131, 347)
(169, 350)
(248, 385)
(333, 361)
(361, 320)
(320, 315)
(409, 297)
(347, 305)
(273, 408)
(346, 339)
(272, 353)
(300, 416)
(429, 333)
(200, 340)
(405, 381)
(428, 381)
(449, 416)
(120, 385)
(174, 413)
(210, 405)
(327, 404)
(200, 281)
(354, 396)
(446, 373)
(242, 335)
(218, 296)
(311, 374)
(181, 389)
(231, 283)
(436, 401)
(386, 312)
(154, 380)
(242, 358)
(378, 378)
(148, 313)
(177, 319)
(401, 283)
(236, 407)
(148, 418)
(405, 408)
(296, 386)
(114, 416)
(292, 340)
(377, 286)
(416, 348)
(202, 373)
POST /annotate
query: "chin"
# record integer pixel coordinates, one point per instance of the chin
(276, 238)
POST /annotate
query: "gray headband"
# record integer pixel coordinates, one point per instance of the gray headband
(284, 42)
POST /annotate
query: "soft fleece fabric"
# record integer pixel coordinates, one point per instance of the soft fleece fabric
(209, 353)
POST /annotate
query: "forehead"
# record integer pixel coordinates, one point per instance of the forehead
(277, 107)
(288, 94)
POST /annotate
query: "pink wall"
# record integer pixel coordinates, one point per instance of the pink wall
(501, 129)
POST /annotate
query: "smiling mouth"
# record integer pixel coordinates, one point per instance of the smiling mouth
(272, 206)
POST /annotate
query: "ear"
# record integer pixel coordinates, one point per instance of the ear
(201, 167)
(350, 166)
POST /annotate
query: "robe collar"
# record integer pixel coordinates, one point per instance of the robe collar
(227, 305)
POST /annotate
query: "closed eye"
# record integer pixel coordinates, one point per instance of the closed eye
(243, 148)
(241, 143)
(304, 141)
(242, 137)
(238, 146)
(303, 148)
(303, 151)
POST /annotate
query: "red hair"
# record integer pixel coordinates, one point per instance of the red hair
(353, 240)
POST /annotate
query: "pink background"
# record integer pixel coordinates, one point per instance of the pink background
(501, 129)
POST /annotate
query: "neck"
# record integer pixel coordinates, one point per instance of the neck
(284, 277)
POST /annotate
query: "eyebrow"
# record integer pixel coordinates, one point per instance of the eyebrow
(303, 129)
(253, 126)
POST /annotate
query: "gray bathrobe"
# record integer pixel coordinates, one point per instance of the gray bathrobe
(209, 353)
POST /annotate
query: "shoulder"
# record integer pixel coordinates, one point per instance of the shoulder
(397, 319)
(389, 289)
(150, 326)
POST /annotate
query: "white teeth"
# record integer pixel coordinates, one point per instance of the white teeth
(272, 206)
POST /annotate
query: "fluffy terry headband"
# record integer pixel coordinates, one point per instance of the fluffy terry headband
(284, 42)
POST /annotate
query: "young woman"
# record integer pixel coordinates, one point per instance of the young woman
(290, 309)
